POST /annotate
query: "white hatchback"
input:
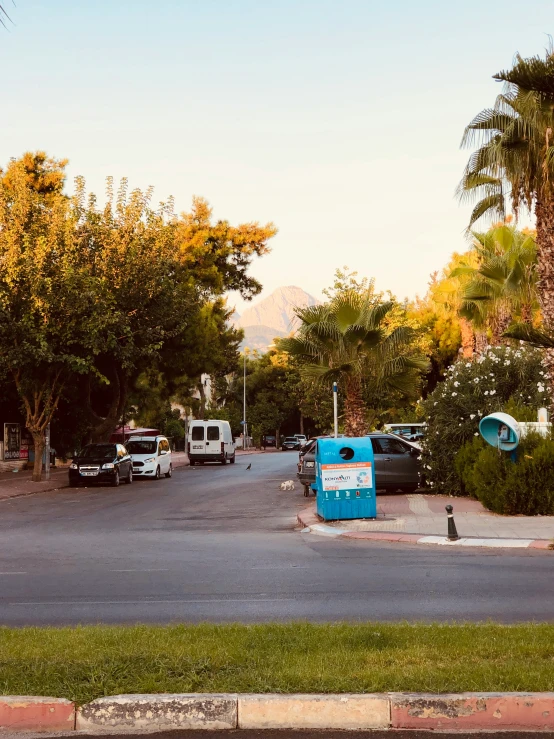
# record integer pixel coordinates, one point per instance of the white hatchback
(151, 456)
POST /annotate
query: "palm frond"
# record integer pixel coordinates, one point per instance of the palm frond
(533, 336)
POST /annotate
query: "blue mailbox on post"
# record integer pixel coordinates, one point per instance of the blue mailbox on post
(345, 478)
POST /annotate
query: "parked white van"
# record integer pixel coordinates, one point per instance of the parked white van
(210, 441)
(151, 456)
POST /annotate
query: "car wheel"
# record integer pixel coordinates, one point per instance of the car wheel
(232, 460)
(224, 461)
(115, 481)
(129, 479)
(158, 474)
(170, 471)
(192, 463)
(409, 489)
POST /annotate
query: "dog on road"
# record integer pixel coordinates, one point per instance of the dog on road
(287, 485)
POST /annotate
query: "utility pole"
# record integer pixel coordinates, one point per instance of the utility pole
(47, 453)
(335, 408)
(244, 430)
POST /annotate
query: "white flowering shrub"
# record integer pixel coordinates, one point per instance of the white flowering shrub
(510, 379)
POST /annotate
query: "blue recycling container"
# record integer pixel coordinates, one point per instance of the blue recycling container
(345, 478)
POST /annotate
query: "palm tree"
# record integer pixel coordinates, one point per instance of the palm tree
(501, 280)
(515, 161)
(347, 340)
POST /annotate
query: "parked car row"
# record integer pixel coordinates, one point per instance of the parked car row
(397, 465)
(111, 463)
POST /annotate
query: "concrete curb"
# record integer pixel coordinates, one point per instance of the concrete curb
(30, 713)
(311, 523)
(135, 714)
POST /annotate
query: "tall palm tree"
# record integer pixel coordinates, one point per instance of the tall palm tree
(346, 340)
(501, 281)
(514, 161)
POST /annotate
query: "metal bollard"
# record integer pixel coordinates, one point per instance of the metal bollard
(452, 533)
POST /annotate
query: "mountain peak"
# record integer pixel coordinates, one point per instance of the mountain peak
(277, 310)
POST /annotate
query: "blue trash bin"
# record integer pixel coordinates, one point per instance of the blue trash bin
(345, 478)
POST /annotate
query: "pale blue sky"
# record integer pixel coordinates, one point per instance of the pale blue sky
(338, 120)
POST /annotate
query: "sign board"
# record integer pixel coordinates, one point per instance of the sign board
(12, 441)
(347, 476)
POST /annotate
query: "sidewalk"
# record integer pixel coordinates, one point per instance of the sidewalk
(422, 519)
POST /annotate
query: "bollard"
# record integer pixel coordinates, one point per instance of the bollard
(452, 533)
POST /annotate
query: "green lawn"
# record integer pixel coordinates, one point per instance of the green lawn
(86, 662)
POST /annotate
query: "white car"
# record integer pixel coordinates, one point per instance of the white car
(302, 438)
(151, 456)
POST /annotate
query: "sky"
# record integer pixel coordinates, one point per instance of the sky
(338, 120)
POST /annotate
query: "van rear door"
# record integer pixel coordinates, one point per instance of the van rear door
(198, 439)
(213, 439)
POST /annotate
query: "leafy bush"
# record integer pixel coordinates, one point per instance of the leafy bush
(503, 378)
(525, 486)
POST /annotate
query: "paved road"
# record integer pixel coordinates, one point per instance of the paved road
(218, 543)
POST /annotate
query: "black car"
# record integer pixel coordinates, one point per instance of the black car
(269, 440)
(101, 463)
(397, 465)
(290, 443)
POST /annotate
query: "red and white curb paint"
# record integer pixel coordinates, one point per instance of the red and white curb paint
(311, 524)
(145, 713)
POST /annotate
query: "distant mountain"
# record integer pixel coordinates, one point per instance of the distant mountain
(277, 310)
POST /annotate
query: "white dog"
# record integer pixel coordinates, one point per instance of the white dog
(287, 485)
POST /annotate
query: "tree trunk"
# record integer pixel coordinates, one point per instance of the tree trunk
(355, 423)
(301, 422)
(544, 212)
(481, 342)
(527, 314)
(500, 322)
(38, 439)
(468, 338)
(277, 437)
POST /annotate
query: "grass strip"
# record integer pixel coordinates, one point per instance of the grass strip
(86, 662)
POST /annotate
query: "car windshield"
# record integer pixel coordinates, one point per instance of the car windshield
(98, 451)
(291, 439)
(141, 447)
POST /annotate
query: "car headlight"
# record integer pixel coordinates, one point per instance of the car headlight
(73, 466)
(107, 466)
(150, 459)
(310, 464)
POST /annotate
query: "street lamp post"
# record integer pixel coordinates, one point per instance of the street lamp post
(244, 429)
(335, 409)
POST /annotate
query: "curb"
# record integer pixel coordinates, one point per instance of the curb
(311, 523)
(132, 714)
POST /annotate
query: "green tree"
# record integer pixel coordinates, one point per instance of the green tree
(514, 161)
(346, 340)
(54, 314)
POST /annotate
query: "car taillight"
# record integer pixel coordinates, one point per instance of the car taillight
(223, 447)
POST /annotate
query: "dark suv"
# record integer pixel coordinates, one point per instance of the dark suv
(101, 463)
(397, 465)
(269, 440)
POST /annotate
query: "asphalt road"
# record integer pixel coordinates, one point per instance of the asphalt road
(219, 544)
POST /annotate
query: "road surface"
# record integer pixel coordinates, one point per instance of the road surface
(219, 544)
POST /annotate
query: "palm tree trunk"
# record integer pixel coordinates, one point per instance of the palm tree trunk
(468, 338)
(544, 212)
(480, 342)
(500, 322)
(355, 423)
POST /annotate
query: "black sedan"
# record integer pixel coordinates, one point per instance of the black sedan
(290, 443)
(101, 463)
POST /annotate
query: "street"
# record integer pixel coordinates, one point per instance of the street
(219, 544)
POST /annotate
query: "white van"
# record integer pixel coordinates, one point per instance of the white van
(151, 456)
(210, 441)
